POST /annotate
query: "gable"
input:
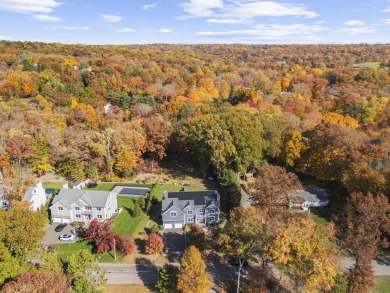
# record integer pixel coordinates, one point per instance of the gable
(172, 209)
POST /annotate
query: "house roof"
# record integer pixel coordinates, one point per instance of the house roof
(77, 182)
(29, 193)
(93, 198)
(135, 190)
(183, 199)
(312, 194)
(199, 197)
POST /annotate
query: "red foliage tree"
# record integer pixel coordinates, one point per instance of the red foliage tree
(197, 237)
(127, 246)
(154, 244)
(38, 282)
(100, 234)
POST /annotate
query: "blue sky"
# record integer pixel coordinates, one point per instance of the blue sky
(196, 21)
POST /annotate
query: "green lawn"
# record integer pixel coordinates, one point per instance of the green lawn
(110, 186)
(52, 185)
(382, 284)
(158, 190)
(367, 65)
(124, 223)
(67, 249)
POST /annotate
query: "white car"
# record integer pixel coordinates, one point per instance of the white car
(66, 237)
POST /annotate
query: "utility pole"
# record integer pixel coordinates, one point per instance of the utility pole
(114, 249)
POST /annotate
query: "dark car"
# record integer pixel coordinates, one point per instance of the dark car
(60, 227)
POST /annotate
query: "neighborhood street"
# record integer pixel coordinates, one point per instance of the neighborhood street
(381, 266)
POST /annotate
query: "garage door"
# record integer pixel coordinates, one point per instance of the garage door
(178, 225)
(168, 226)
(65, 220)
(57, 220)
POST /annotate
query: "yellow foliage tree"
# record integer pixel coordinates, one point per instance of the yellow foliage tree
(292, 148)
(338, 119)
(299, 249)
(193, 277)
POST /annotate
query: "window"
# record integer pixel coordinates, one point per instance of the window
(100, 217)
(201, 211)
(212, 211)
(88, 217)
(189, 212)
(190, 219)
(99, 209)
(60, 208)
(78, 216)
(173, 214)
(77, 208)
(212, 219)
(88, 208)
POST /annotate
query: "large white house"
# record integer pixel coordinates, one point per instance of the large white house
(71, 205)
(36, 196)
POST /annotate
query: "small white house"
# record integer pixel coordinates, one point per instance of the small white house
(36, 196)
(309, 197)
(78, 184)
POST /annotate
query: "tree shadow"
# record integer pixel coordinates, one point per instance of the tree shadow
(140, 245)
(174, 241)
(147, 272)
(223, 274)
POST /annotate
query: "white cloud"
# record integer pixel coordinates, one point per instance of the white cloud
(228, 21)
(5, 38)
(386, 10)
(201, 8)
(29, 6)
(148, 6)
(126, 30)
(357, 30)
(385, 21)
(69, 28)
(354, 22)
(243, 10)
(268, 31)
(164, 30)
(110, 18)
(48, 18)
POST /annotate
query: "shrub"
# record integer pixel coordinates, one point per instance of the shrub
(136, 211)
(167, 279)
(154, 229)
(154, 244)
(127, 245)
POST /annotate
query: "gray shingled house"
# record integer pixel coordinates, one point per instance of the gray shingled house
(190, 207)
(71, 205)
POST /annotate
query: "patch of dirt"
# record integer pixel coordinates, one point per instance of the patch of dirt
(52, 176)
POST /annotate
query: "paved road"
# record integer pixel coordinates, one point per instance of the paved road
(245, 200)
(130, 273)
(381, 266)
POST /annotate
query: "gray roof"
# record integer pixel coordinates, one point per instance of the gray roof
(182, 199)
(93, 198)
(134, 191)
(77, 182)
(29, 193)
(312, 194)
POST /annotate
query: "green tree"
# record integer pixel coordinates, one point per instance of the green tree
(230, 188)
(22, 231)
(83, 284)
(244, 237)
(193, 277)
(83, 264)
(50, 263)
(167, 279)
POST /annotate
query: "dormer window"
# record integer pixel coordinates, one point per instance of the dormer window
(189, 212)
(173, 214)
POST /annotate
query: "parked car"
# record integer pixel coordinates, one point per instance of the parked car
(60, 227)
(66, 237)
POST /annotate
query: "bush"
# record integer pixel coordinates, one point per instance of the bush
(167, 279)
(154, 229)
(161, 227)
(127, 246)
(197, 237)
(136, 211)
(154, 244)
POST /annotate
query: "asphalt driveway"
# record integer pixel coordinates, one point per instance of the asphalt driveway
(51, 236)
(174, 240)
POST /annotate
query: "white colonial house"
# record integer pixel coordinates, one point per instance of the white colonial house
(309, 197)
(71, 205)
(36, 196)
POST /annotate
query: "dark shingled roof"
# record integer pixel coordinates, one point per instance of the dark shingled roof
(134, 191)
(197, 196)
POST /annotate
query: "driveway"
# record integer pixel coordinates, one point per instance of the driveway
(51, 236)
(174, 240)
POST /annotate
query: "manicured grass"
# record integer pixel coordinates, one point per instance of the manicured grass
(124, 223)
(52, 185)
(67, 249)
(115, 288)
(158, 190)
(321, 215)
(110, 186)
(382, 284)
